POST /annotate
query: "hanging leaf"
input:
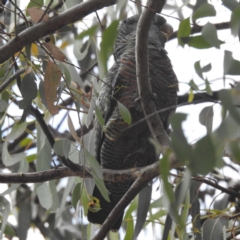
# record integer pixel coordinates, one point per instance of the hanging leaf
(76, 195)
(99, 116)
(28, 91)
(179, 141)
(36, 14)
(58, 148)
(51, 82)
(193, 85)
(231, 66)
(44, 157)
(89, 32)
(231, 4)
(205, 10)
(35, 3)
(183, 31)
(55, 198)
(126, 115)
(235, 21)
(206, 118)
(142, 210)
(106, 46)
(66, 147)
(77, 49)
(5, 210)
(3, 105)
(55, 52)
(212, 229)
(198, 42)
(97, 174)
(90, 115)
(209, 34)
(44, 195)
(72, 129)
(191, 95)
(202, 162)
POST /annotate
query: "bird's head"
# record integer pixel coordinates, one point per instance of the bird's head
(159, 33)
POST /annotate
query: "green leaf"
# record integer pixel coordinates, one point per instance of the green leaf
(132, 207)
(3, 105)
(206, 118)
(200, 70)
(44, 157)
(17, 130)
(5, 210)
(235, 21)
(106, 46)
(89, 32)
(28, 90)
(179, 141)
(231, 4)
(198, 42)
(144, 200)
(227, 103)
(231, 66)
(97, 174)
(35, 3)
(193, 85)
(203, 161)
(80, 50)
(126, 115)
(66, 192)
(212, 229)
(54, 194)
(58, 147)
(66, 147)
(184, 31)
(76, 195)
(44, 195)
(129, 229)
(209, 34)
(31, 158)
(165, 167)
(9, 230)
(205, 10)
(208, 88)
(99, 116)
(235, 150)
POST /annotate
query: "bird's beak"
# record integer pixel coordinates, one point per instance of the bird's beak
(166, 30)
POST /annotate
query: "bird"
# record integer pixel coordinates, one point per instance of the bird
(118, 146)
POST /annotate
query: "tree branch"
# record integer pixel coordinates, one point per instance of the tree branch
(146, 175)
(198, 29)
(144, 88)
(9, 80)
(199, 98)
(42, 29)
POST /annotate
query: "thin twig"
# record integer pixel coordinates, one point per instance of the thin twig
(9, 80)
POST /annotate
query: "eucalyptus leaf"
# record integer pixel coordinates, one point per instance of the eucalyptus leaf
(206, 118)
(126, 115)
(205, 10)
(5, 210)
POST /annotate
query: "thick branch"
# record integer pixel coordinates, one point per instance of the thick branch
(83, 172)
(144, 88)
(44, 28)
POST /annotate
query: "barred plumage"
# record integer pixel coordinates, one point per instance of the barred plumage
(118, 149)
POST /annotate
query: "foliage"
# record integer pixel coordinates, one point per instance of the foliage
(58, 76)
